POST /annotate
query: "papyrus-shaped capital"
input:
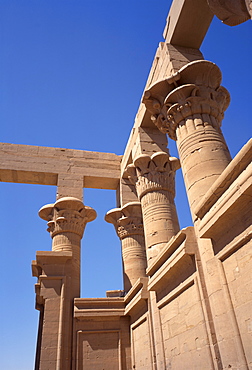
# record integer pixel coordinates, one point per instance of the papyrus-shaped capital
(68, 214)
(127, 220)
(151, 173)
(196, 95)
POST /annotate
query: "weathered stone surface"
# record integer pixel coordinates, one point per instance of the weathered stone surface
(185, 30)
(187, 298)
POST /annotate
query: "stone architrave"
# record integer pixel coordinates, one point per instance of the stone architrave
(128, 223)
(67, 219)
(190, 107)
(154, 177)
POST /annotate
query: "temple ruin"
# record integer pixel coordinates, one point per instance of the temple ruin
(181, 306)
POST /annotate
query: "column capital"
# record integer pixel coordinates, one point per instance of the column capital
(154, 179)
(127, 220)
(68, 214)
(152, 173)
(231, 12)
(194, 92)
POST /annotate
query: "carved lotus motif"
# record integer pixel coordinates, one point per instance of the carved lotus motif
(197, 91)
(67, 215)
(154, 172)
(127, 220)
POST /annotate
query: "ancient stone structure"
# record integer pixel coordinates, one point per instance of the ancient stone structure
(153, 178)
(182, 306)
(128, 223)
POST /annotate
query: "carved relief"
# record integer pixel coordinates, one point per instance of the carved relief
(155, 105)
(204, 106)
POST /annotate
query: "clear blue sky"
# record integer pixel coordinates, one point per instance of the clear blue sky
(72, 73)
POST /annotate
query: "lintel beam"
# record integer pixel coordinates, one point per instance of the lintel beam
(187, 23)
(43, 165)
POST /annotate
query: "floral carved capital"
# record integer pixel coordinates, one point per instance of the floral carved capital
(68, 214)
(127, 220)
(231, 12)
(154, 104)
(196, 94)
(153, 173)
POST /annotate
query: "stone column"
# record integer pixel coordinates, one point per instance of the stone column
(153, 177)
(129, 227)
(58, 273)
(67, 219)
(190, 107)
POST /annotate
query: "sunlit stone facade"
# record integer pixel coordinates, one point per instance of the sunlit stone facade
(186, 301)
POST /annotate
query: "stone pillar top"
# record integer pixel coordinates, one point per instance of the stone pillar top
(68, 214)
(151, 173)
(194, 89)
(231, 12)
(127, 220)
(72, 203)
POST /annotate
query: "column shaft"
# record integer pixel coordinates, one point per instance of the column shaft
(160, 220)
(204, 156)
(67, 219)
(154, 180)
(58, 273)
(190, 109)
(129, 227)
